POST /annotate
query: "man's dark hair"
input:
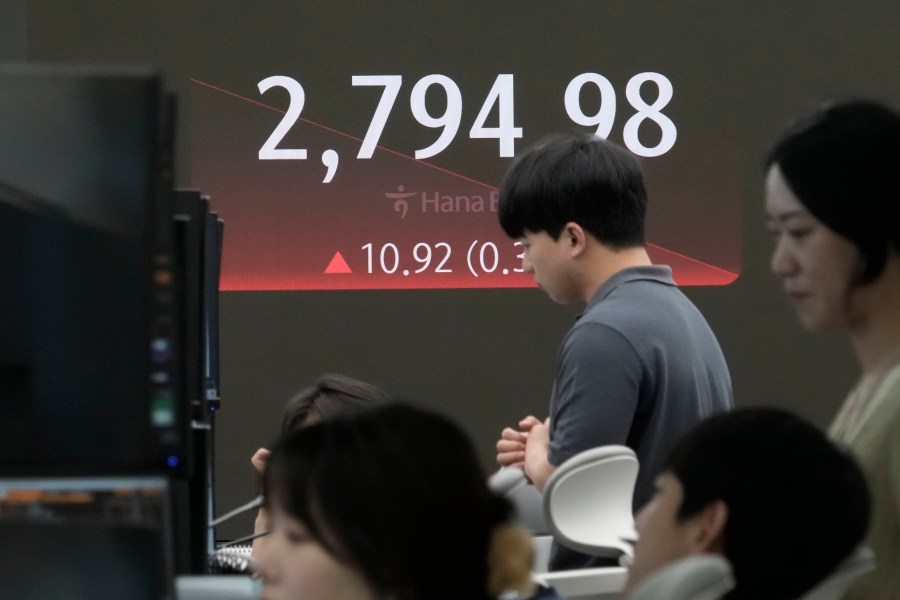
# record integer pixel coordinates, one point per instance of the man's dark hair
(841, 162)
(396, 492)
(797, 504)
(579, 178)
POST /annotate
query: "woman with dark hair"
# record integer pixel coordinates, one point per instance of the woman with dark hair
(833, 208)
(332, 395)
(388, 503)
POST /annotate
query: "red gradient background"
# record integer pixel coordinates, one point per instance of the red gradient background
(284, 226)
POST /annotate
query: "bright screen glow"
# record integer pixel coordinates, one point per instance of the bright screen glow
(378, 169)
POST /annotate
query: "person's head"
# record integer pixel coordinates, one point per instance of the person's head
(389, 502)
(833, 205)
(765, 489)
(564, 189)
(331, 395)
(576, 178)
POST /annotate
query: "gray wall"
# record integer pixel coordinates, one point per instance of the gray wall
(13, 19)
(486, 357)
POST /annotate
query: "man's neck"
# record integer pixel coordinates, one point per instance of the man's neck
(604, 262)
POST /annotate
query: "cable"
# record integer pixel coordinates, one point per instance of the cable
(255, 503)
(246, 538)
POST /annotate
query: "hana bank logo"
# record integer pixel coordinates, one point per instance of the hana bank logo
(401, 200)
(436, 202)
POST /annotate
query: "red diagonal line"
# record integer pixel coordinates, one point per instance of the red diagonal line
(699, 262)
(415, 160)
(346, 135)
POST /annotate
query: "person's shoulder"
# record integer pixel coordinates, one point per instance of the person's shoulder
(598, 341)
(886, 398)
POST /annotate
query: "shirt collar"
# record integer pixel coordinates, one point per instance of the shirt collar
(658, 273)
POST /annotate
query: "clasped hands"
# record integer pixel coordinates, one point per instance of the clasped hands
(515, 445)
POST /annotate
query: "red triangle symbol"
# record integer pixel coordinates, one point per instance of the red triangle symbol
(338, 265)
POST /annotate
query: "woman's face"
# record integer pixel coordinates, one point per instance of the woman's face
(816, 266)
(295, 566)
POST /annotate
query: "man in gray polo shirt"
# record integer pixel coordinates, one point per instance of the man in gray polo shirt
(641, 366)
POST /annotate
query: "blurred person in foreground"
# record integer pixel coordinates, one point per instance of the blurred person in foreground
(387, 503)
(766, 490)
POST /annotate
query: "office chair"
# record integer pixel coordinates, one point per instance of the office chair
(587, 501)
(860, 561)
(587, 506)
(699, 577)
(528, 503)
(511, 483)
(709, 576)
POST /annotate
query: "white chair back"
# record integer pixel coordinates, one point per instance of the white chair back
(588, 501)
(709, 577)
(698, 577)
(861, 561)
(597, 583)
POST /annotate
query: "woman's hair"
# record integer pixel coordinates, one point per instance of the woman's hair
(398, 493)
(330, 396)
(842, 163)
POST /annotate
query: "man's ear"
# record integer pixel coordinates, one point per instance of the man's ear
(708, 527)
(575, 237)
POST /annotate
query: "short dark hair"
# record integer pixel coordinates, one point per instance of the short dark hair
(331, 395)
(797, 503)
(843, 163)
(579, 178)
(396, 492)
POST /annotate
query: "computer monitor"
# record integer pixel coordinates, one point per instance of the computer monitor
(212, 255)
(97, 539)
(89, 371)
(197, 249)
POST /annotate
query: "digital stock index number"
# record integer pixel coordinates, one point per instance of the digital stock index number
(501, 97)
(407, 214)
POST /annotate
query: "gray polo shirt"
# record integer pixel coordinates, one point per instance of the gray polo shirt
(639, 368)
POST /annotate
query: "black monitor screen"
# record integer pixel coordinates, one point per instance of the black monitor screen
(57, 562)
(86, 349)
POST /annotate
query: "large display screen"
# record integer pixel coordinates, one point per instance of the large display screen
(376, 164)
